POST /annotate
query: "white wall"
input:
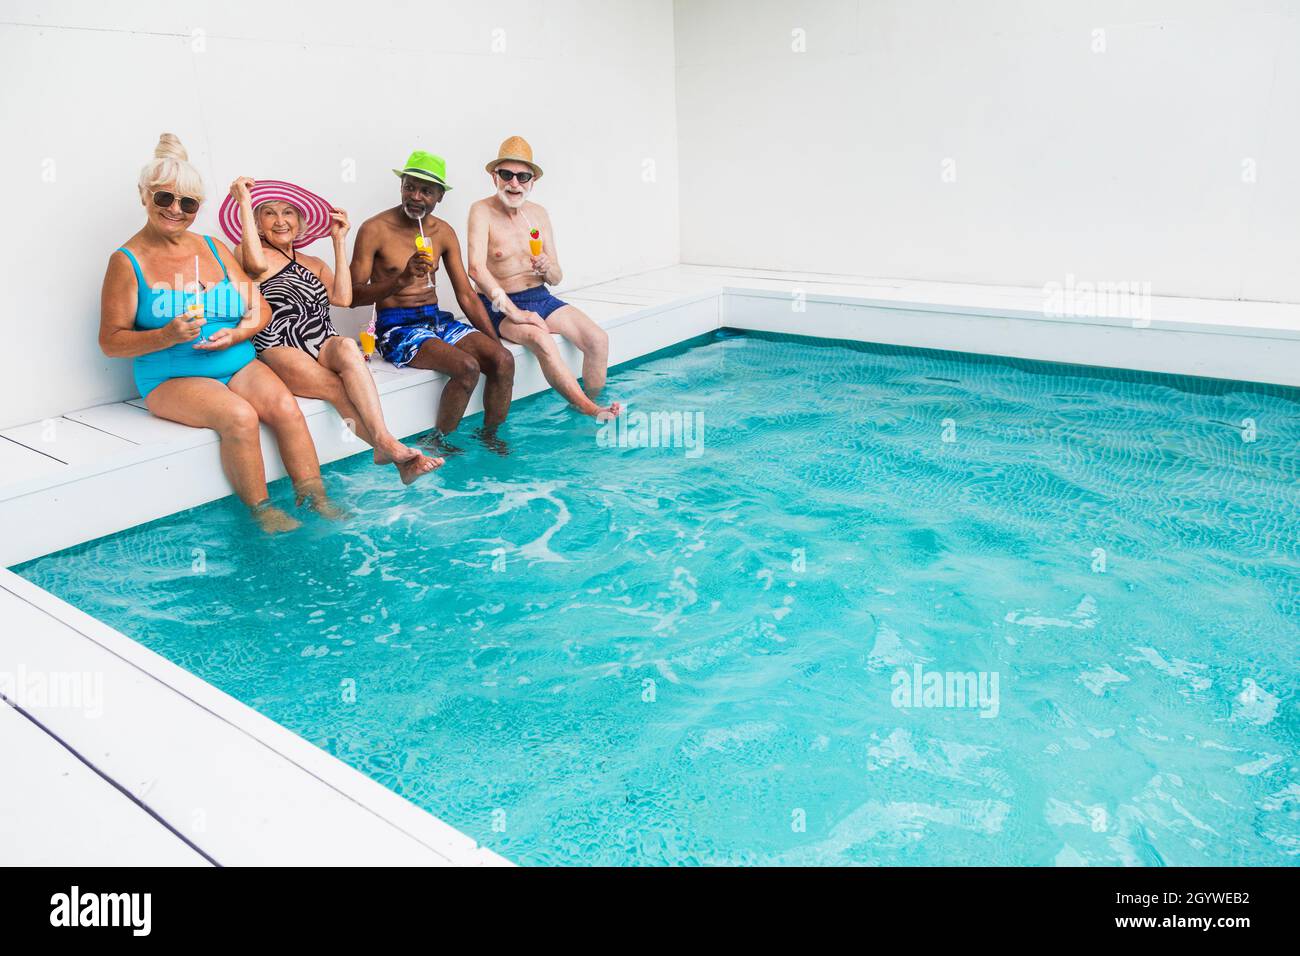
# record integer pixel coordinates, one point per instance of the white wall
(308, 92)
(1119, 165)
(1122, 165)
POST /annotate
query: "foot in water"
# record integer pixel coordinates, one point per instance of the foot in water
(327, 508)
(492, 441)
(436, 441)
(411, 462)
(312, 493)
(273, 520)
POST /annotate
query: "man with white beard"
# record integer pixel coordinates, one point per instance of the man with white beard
(512, 259)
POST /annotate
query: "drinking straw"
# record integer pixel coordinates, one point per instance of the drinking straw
(198, 291)
(428, 279)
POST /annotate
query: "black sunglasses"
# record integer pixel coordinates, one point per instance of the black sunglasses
(509, 174)
(189, 206)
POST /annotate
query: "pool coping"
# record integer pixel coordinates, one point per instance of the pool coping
(358, 819)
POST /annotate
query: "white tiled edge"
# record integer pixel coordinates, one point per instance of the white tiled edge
(235, 784)
(59, 812)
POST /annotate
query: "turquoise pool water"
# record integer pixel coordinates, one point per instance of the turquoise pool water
(593, 654)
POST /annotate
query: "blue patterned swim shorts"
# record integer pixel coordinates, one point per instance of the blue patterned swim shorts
(399, 333)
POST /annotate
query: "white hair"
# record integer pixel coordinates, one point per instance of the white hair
(171, 167)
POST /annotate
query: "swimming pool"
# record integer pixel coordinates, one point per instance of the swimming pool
(896, 607)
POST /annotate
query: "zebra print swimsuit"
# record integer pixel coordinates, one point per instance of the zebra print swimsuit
(300, 311)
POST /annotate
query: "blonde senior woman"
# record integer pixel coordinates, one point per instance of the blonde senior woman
(179, 305)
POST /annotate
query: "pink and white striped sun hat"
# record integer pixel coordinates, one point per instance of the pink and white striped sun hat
(312, 210)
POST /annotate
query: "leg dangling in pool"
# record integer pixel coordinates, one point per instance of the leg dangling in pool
(311, 492)
(271, 519)
(339, 376)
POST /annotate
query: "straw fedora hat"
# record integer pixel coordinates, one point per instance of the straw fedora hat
(515, 148)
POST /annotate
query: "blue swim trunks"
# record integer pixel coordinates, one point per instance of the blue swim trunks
(399, 333)
(537, 299)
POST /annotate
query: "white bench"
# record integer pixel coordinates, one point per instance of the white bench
(98, 470)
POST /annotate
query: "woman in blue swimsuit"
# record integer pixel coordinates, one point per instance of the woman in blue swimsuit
(200, 371)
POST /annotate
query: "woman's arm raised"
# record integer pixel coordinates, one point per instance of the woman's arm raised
(251, 256)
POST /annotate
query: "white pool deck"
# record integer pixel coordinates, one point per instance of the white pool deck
(162, 768)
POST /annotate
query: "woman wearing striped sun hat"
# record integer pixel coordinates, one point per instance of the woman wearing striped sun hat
(270, 221)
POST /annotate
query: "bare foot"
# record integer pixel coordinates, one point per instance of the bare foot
(326, 508)
(411, 462)
(272, 520)
(492, 442)
(311, 492)
(437, 441)
(392, 451)
(416, 466)
(600, 412)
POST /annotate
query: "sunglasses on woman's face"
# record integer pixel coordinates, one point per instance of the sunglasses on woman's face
(509, 174)
(164, 200)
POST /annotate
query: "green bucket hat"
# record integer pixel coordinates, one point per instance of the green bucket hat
(426, 166)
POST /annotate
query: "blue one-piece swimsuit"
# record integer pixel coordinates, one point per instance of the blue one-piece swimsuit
(223, 308)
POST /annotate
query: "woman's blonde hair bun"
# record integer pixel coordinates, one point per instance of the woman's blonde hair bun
(169, 147)
(171, 166)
